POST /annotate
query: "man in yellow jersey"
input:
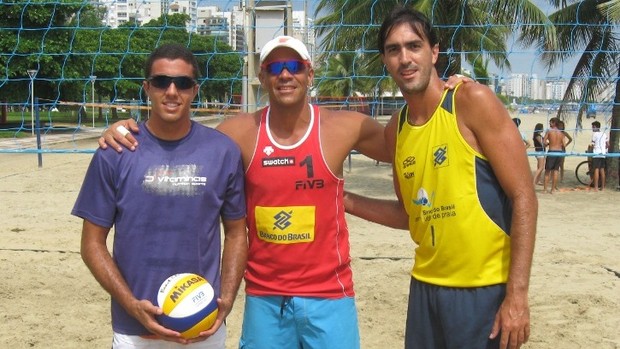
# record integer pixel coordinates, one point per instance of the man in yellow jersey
(466, 194)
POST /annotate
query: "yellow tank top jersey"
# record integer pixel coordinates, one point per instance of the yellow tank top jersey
(459, 216)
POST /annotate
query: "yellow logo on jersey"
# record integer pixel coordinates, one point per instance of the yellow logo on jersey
(285, 225)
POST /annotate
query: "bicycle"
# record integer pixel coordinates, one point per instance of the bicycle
(584, 173)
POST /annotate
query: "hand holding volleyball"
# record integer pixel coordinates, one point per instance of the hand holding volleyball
(188, 303)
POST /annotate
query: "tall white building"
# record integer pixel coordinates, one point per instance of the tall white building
(228, 25)
(119, 12)
(204, 20)
(555, 89)
(534, 87)
(233, 24)
(518, 85)
(530, 86)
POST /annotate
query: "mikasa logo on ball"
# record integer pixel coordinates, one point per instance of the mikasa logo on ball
(182, 287)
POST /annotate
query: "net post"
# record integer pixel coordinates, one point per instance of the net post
(38, 128)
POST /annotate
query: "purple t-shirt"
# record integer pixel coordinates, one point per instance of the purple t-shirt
(165, 201)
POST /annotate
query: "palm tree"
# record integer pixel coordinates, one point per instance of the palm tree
(585, 28)
(465, 29)
(340, 76)
(612, 9)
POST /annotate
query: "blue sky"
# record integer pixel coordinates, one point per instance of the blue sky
(524, 59)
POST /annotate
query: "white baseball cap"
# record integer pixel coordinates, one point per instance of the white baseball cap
(285, 41)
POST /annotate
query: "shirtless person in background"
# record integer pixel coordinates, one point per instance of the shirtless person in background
(554, 140)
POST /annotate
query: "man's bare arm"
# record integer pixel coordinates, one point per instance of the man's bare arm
(390, 213)
(492, 128)
(385, 212)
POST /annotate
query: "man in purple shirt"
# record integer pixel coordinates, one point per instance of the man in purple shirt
(166, 203)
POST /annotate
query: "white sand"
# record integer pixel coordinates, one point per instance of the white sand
(50, 299)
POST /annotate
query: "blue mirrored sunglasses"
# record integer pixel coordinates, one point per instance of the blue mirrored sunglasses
(164, 81)
(293, 66)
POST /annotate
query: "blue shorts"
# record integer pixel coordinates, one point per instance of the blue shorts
(450, 318)
(276, 322)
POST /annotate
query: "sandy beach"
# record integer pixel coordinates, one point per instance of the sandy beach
(50, 299)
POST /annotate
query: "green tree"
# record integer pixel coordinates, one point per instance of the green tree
(466, 29)
(67, 43)
(341, 76)
(35, 35)
(121, 54)
(221, 68)
(612, 9)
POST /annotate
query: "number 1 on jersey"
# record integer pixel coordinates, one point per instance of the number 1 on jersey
(309, 167)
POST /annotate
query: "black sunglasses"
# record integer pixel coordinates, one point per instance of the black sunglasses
(293, 66)
(164, 81)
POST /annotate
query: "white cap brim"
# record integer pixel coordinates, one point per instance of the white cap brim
(285, 41)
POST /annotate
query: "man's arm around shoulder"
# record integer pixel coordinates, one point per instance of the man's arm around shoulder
(390, 213)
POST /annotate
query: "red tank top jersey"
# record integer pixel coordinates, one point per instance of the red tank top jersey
(298, 237)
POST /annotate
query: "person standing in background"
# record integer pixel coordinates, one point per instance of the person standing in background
(568, 140)
(554, 141)
(600, 144)
(539, 147)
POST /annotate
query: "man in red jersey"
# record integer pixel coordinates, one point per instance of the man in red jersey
(299, 286)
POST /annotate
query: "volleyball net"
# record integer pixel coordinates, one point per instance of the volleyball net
(71, 68)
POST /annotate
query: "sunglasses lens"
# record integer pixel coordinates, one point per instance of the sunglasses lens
(275, 68)
(164, 81)
(183, 82)
(160, 81)
(294, 67)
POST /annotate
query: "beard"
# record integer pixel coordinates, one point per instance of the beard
(416, 85)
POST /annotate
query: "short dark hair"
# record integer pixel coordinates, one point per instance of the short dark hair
(403, 15)
(172, 51)
(554, 121)
(596, 124)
